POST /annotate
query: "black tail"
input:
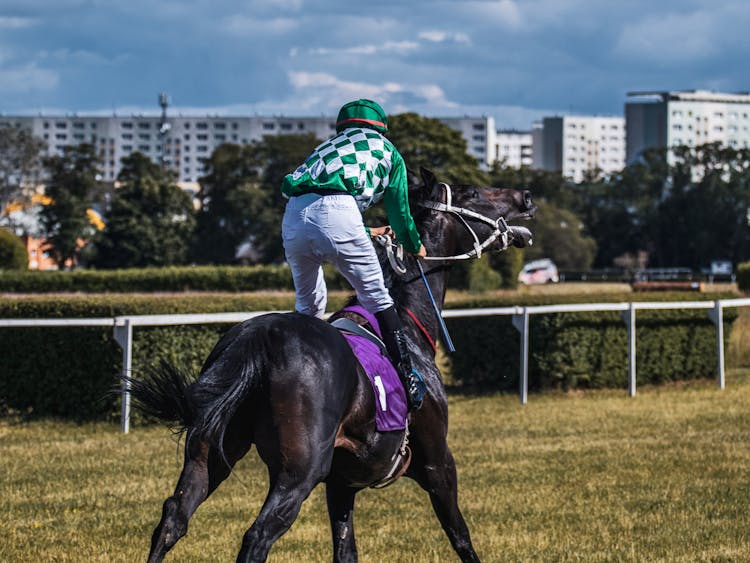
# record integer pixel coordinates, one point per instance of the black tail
(206, 405)
(163, 394)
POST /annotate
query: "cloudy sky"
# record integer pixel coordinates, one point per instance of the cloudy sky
(515, 60)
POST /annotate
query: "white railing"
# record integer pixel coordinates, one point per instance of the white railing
(123, 331)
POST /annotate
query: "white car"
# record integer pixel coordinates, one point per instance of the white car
(539, 271)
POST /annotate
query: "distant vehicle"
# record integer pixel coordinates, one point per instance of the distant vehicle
(720, 268)
(539, 271)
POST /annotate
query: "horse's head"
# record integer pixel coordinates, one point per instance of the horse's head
(485, 206)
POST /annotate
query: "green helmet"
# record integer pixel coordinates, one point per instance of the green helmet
(362, 113)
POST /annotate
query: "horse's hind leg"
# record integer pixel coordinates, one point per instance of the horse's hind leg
(288, 490)
(204, 470)
(340, 499)
(440, 481)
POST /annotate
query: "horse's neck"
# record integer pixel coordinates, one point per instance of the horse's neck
(413, 295)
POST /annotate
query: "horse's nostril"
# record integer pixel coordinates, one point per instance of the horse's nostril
(528, 202)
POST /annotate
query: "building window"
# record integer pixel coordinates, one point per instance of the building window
(126, 125)
(268, 126)
(219, 125)
(186, 159)
(127, 136)
(61, 136)
(127, 148)
(235, 126)
(201, 148)
(46, 125)
(201, 125)
(144, 125)
(479, 138)
(61, 125)
(144, 148)
(286, 126)
(202, 137)
(79, 136)
(220, 137)
(144, 136)
(478, 126)
(78, 125)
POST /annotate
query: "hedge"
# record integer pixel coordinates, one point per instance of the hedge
(743, 276)
(146, 280)
(587, 350)
(68, 372)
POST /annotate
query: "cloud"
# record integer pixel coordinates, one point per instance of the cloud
(444, 37)
(670, 38)
(27, 78)
(10, 22)
(387, 46)
(251, 26)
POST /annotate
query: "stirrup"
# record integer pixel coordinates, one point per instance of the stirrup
(415, 389)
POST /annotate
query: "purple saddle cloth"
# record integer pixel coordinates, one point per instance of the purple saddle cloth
(390, 396)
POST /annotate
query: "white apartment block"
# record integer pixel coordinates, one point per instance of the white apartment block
(184, 143)
(479, 134)
(578, 144)
(513, 148)
(691, 117)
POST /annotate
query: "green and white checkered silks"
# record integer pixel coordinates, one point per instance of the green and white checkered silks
(360, 158)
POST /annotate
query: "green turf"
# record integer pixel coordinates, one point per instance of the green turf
(569, 477)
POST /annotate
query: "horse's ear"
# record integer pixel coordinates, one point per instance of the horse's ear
(428, 178)
(413, 180)
(431, 185)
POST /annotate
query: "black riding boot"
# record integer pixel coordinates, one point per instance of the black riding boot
(395, 342)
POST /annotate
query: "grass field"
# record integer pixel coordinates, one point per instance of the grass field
(593, 476)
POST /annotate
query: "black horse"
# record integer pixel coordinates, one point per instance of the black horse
(291, 385)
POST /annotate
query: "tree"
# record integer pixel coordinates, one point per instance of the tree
(430, 143)
(13, 254)
(708, 218)
(72, 178)
(559, 235)
(20, 168)
(241, 199)
(150, 222)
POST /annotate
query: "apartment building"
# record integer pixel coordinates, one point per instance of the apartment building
(688, 117)
(479, 134)
(580, 144)
(185, 142)
(513, 148)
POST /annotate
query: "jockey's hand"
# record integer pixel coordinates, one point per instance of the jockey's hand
(377, 231)
(422, 252)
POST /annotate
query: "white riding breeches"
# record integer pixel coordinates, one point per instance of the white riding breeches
(329, 228)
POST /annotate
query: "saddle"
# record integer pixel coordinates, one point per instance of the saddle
(391, 412)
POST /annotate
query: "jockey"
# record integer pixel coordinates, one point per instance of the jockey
(323, 223)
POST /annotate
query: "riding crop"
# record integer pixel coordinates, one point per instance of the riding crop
(441, 321)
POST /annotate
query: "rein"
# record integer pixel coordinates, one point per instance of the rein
(421, 327)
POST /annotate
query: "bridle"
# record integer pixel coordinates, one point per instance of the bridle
(499, 226)
(500, 230)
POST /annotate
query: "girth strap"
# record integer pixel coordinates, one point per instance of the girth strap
(347, 325)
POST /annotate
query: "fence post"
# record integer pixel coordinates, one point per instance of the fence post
(717, 317)
(124, 337)
(629, 318)
(521, 322)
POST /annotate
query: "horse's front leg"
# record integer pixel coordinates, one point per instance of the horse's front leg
(340, 499)
(204, 470)
(434, 469)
